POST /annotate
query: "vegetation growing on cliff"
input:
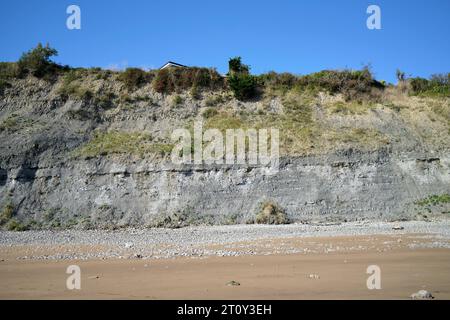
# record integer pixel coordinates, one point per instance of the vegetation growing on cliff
(241, 82)
(182, 79)
(271, 213)
(315, 113)
(115, 142)
(438, 85)
(434, 200)
(353, 85)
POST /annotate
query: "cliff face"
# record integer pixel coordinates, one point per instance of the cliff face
(103, 161)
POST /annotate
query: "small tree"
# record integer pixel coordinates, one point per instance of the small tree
(241, 82)
(133, 77)
(37, 61)
(400, 75)
(242, 85)
(235, 66)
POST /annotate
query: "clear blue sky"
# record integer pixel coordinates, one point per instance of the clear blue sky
(296, 36)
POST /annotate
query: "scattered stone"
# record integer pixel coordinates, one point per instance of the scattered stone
(422, 295)
(129, 245)
(157, 243)
(233, 283)
(94, 277)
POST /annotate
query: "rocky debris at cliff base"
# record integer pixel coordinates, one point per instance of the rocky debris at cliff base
(223, 241)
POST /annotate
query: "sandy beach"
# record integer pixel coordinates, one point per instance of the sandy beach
(276, 264)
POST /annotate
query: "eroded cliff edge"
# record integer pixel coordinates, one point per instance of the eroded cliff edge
(101, 160)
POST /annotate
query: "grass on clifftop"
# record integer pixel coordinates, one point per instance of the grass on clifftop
(116, 142)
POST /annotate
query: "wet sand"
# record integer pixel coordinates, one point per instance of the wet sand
(331, 275)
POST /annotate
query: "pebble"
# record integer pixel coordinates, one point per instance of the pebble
(129, 245)
(195, 241)
(422, 294)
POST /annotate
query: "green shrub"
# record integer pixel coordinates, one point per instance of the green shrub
(437, 85)
(8, 70)
(103, 100)
(235, 66)
(214, 100)
(75, 91)
(10, 124)
(177, 100)
(434, 200)
(210, 112)
(72, 88)
(243, 86)
(271, 213)
(352, 84)
(15, 225)
(37, 62)
(4, 85)
(240, 81)
(195, 93)
(133, 77)
(284, 81)
(400, 75)
(7, 213)
(171, 80)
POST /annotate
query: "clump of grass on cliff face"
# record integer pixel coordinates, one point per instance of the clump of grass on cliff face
(8, 221)
(296, 124)
(116, 142)
(9, 124)
(434, 200)
(71, 86)
(441, 108)
(363, 137)
(177, 100)
(271, 213)
(15, 123)
(349, 108)
(7, 213)
(4, 84)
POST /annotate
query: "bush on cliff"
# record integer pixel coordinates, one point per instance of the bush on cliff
(240, 81)
(271, 213)
(134, 77)
(243, 86)
(179, 79)
(437, 85)
(352, 84)
(37, 62)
